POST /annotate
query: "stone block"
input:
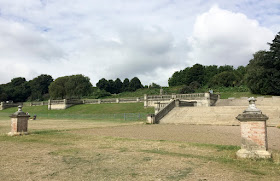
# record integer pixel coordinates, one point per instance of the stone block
(253, 133)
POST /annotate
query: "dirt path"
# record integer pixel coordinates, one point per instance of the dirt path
(223, 135)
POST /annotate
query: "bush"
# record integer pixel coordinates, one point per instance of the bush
(225, 79)
(99, 94)
(187, 90)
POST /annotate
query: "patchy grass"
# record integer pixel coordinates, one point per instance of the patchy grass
(51, 152)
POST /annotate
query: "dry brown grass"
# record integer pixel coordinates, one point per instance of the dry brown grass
(64, 150)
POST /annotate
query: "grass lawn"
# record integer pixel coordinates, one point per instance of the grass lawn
(129, 111)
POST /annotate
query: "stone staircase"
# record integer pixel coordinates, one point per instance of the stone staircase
(218, 115)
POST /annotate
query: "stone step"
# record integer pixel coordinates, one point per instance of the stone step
(217, 115)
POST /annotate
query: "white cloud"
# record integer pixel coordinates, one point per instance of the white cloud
(123, 38)
(21, 47)
(222, 37)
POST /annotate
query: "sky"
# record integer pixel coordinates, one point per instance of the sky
(148, 39)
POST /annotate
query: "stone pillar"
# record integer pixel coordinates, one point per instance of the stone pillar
(137, 99)
(173, 96)
(157, 108)
(145, 100)
(117, 100)
(161, 91)
(253, 132)
(50, 105)
(19, 123)
(99, 101)
(177, 103)
(208, 101)
(2, 106)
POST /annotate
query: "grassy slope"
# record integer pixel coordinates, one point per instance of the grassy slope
(225, 92)
(88, 111)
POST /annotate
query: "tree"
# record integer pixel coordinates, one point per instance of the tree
(118, 86)
(154, 85)
(111, 87)
(103, 84)
(226, 79)
(195, 85)
(125, 86)
(196, 73)
(18, 90)
(135, 84)
(258, 76)
(40, 86)
(78, 86)
(263, 71)
(57, 88)
(210, 72)
(187, 90)
(177, 78)
(225, 68)
(74, 86)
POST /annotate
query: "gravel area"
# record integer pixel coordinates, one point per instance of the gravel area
(223, 135)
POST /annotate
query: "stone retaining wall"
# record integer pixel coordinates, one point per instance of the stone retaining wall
(5, 105)
(65, 103)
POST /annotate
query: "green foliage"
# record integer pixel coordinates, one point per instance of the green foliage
(117, 86)
(18, 90)
(135, 84)
(57, 88)
(40, 86)
(226, 79)
(125, 85)
(177, 78)
(264, 70)
(74, 86)
(103, 84)
(225, 68)
(78, 86)
(195, 85)
(99, 94)
(210, 71)
(154, 85)
(188, 75)
(195, 73)
(187, 90)
(208, 75)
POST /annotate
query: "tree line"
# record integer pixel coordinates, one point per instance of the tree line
(261, 75)
(44, 87)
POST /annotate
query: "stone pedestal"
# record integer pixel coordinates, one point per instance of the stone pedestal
(151, 119)
(19, 123)
(253, 133)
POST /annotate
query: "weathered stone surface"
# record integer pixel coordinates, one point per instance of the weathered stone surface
(253, 133)
(19, 123)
